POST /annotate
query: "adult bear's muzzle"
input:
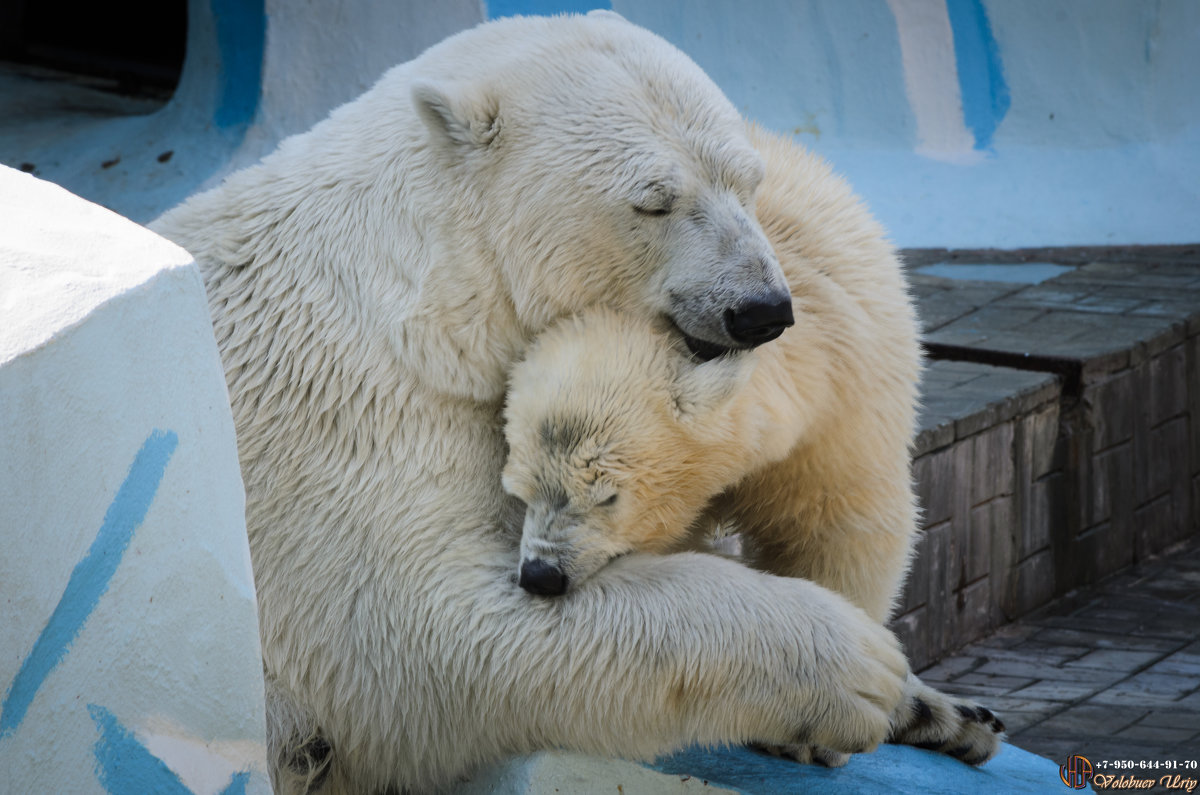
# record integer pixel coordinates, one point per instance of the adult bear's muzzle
(746, 325)
(756, 322)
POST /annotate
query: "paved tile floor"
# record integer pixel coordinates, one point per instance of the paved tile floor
(1111, 672)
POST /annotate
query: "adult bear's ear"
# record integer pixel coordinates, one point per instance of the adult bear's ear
(703, 389)
(605, 13)
(455, 118)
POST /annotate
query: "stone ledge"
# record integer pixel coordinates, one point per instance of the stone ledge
(891, 768)
(960, 399)
(53, 274)
(1102, 317)
(1067, 255)
(550, 772)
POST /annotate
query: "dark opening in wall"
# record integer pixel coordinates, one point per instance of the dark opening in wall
(133, 47)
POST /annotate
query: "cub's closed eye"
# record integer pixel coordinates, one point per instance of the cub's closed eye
(609, 501)
(657, 210)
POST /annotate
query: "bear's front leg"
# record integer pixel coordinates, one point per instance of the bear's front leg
(855, 538)
(641, 661)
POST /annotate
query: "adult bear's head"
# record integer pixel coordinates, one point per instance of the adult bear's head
(594, 162)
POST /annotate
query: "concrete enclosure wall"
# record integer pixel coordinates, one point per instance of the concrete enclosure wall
(964, 123)
(971, 123)
(129, 655)
(255, 71)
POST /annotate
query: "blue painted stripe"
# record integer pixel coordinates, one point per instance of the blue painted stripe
(241, 27)
(237, 785)
(985, 96)
(508, 8)
(91, 576)
(124, 766)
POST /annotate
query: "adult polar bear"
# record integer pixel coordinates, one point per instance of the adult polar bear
(370, 284)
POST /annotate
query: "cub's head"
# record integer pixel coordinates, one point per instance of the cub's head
(611, 425)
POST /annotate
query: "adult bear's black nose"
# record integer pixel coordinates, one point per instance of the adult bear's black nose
(759, 321)
(540, 578)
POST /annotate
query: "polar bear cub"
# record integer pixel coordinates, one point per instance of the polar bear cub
(618, 437)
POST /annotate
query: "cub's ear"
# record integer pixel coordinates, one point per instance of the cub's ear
(702, 389)
(456, 119)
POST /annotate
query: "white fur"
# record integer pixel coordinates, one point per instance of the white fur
(370, 284)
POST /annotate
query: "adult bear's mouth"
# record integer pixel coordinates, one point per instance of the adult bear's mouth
(742, 328)
(702, 349)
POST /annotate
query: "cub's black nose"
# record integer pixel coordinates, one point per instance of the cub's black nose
(540, 578)
(759, 321)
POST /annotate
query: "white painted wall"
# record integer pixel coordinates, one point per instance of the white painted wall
(129, 654)
(255, 71)
(963, 123)
(970, 123)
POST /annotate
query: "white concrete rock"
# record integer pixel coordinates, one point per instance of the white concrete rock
(129, 653)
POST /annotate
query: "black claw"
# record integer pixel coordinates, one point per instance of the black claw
(986, 715)
(998, 726)
(967, 713)
(961, 752)
(922, 713)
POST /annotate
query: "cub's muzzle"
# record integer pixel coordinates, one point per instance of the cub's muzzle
(542, 579)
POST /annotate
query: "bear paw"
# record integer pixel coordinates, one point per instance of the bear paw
(861, 676)
(938, 722)
(805, 754)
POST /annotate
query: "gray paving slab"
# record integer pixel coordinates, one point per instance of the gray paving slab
(1179, 663)
(943, 300)
(1105, 316)
(1114, 660)
(1042, 671)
